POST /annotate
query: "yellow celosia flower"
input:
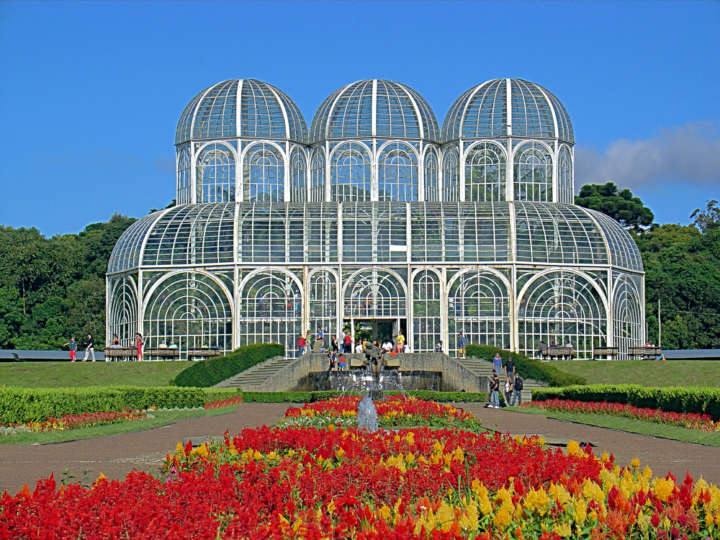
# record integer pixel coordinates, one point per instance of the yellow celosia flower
(445, 516)
(537, 500)
(384, 512)
(339, 453)
(605, 457)
(563, 529)
(502, 519)
(331, 507)
(580, 511)
(635, 463)
(663, 488)
(643, 521)
(647, 472)
(573, 448)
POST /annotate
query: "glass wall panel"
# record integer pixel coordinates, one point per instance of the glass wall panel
(627, 314)
(533, 173)
(297, 175)
(451, 175)
(561, 308)
(323, 304)
(375, 294)
(485, 173)
(565, 178)
(478, 306)
(270, 311)
(263, 174)
(188, 310)
(317, 175)
(123, 311)
(215, 171)
(350, 173)
(397, 173)
(184, 187)
(426, 311)
(432, 189)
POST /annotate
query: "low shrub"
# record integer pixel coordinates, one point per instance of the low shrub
(671, 399)
(210, 372)
(529, 368)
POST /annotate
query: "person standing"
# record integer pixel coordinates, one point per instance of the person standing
(497, 364)
(89, 348)
(462, 342)
(510, 368)
(508, 391)
(139, 346)
(334, 345)
(518, 387)
(73, 348)
(494, 389)
(439, 346)
(301, 345)
(347, 341)
(400, 340)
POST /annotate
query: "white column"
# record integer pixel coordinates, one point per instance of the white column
(444, 323)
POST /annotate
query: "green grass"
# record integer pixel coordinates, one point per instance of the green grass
(67, 374)
(645, 372)
(160, 418)
(643, 427)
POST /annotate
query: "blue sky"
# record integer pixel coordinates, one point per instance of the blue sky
(91, 92)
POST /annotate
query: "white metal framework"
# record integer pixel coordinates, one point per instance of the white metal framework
(376, 215)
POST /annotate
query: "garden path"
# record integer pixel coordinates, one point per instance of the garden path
(662, 455)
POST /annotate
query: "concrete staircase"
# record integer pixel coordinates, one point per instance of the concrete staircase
(253, 379)
(484, 368)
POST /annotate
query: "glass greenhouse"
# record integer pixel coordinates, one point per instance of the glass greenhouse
(376, 217)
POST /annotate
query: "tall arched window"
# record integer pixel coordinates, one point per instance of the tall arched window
(562, 308)
(451, 175)
(485, 173)
(323, 303)
(317, 176)
(375, 294)
(565, 180)
(426, 311)
(397, 173)
(627, 315)
(297, 175)
(432, 189)
(264, 174)
(215, 172)
(123, 310)
(533, 173)
(183, 177)
(350, 173)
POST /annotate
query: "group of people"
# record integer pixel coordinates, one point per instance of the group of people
(513, 387)
(310, 342)
(89, 346)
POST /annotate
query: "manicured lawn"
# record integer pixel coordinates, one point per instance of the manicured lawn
(645, 372)
(160, 418)
(642, 427)
(67, 374)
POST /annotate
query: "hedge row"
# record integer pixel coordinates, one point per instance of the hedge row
(529, 368)
(20, 405)
(671, 399)
(212, 371)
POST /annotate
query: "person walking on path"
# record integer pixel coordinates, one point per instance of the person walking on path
(139, 346)
(89, 348)
(494, 389)
(73, 348)
(301, 345)
(508, 391)
(518, 387)
(462, 341)
(497, 364)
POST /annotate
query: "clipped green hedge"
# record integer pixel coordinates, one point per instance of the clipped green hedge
(210, 372)
(529, 368)
(670, 399)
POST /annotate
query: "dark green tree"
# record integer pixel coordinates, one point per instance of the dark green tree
(622, 206)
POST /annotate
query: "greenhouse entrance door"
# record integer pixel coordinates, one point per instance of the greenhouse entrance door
(379, 329)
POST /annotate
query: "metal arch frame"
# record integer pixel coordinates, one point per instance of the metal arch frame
(442, 304)
(519, 147)
(423, 195)
(285, 163)
(338, 300)
(234, 163)
(302, 151)
(565, 148)
(124, 280)
(394, 146)
(626, 280)
(330, 164)
(463, 166)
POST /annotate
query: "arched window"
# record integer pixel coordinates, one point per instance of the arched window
(627, 315)
(189, 310)
(565, 179)
(397, 174)
(350, 173)
(264, 174)
(123, 311)
(485, 173)
(297, 175)
(183, 177)
(451, 175)
(317, 176)
(533, 173)
(215, 172)
(271, 310)
(323, 303)
(375, 294)
(426, 311)
(478, 307)
(432, 189)
(562, 308)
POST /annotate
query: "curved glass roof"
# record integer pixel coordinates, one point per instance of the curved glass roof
(375, 232)
(507, 107)
(245, 108)
(374, 108)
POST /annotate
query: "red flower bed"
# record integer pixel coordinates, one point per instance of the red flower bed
(224, 403)
(74, 421)
(703, 422)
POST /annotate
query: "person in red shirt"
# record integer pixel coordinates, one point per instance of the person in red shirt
(301, 342)
(139, 346)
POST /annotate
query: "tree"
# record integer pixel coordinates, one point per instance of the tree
(708, 218)
(622, 206)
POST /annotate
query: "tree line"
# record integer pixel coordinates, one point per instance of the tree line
(52, 288)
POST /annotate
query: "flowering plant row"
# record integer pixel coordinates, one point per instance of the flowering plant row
(345, 483)
(392, 411)
(702, 422)
(74, 421)
(224, 403)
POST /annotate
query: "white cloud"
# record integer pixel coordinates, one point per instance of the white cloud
(690, 153)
